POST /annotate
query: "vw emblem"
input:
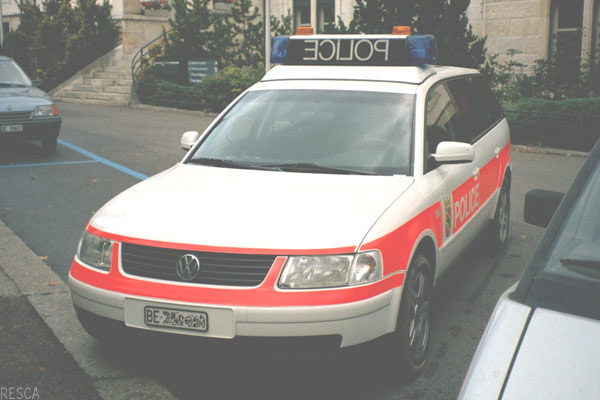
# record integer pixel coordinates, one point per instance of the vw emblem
(188, 267)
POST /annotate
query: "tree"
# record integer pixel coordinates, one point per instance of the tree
(445, 19)
(53, 44)
(248, 33)
(189, 29)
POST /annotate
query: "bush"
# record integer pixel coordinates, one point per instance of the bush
(213, 94)
(570, 123)
(224, 86)
(545, 79)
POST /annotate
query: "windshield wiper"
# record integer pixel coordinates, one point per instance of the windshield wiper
(219, 162)
(311, 167)
(11, 84)
(595, 264)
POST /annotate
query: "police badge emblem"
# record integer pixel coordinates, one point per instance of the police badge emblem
(447, 216)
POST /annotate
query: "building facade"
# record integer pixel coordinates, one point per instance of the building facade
(10, 14)
(538, 29)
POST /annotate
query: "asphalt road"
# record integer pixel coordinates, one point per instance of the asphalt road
(47, 201)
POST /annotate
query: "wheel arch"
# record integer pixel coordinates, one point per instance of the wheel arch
(426, 245)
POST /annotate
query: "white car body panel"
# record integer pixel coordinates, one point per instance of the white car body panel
(558, 359)
(494, 354)
(251, 209)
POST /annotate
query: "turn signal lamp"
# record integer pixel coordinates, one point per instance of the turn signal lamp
(401, 30)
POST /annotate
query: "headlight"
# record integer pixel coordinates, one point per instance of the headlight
(45, 111)
(310, 272)
(95, 251)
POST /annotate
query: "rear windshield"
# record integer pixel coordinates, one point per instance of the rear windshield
(365, 132)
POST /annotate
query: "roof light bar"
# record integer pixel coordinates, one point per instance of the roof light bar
(380, 50)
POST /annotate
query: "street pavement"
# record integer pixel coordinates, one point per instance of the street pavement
(44, 352)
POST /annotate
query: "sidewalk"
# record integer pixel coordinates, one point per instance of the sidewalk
(44, 352)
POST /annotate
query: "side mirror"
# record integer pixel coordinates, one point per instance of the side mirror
(453, 153)
(188, 139)
(540, 206)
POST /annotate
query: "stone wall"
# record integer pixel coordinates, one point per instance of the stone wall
(137, 29)
(513, 25)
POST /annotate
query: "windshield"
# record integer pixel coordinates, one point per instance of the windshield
(576, 252)
(325, 131)
(12, 75)
(569, 277)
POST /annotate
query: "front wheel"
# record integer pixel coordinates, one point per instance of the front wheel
(498, 229)
(411, 338)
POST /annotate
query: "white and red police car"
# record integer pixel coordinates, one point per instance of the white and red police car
(324, 202)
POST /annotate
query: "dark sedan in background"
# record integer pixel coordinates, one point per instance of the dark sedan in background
(26, 112)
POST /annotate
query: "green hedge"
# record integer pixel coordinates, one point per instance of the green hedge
(584, 107)
(213, 94)
(569, 124)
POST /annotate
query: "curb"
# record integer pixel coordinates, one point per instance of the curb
(174, 110)
(51, 299)
(547, 150)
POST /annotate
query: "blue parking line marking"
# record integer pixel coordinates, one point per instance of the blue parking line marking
(51, 163)
(103, 160)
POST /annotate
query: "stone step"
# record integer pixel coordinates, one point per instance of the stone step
(87, 88)
(99, 88)
(109, 75)
(118, 89)
(106, 82)
(123, 69)
(74, 94)
(92, 101)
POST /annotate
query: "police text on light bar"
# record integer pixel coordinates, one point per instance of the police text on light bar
(378, 50)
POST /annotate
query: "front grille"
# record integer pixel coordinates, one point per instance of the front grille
(15, 115)
(215, 268)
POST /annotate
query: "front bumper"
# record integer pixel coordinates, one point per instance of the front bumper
(33, 128)
(356, 322)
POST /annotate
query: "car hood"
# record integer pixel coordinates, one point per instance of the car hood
(235, 208)
(559, 358)
(22, 99)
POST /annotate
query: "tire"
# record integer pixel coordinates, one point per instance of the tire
(498, 228)
(49, 145)
(411, 338)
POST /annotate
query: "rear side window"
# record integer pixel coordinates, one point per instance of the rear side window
(442, 123)
(476, 104)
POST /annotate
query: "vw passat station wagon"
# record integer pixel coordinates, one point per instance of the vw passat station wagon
(323, 203)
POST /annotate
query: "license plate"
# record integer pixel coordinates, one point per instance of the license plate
(11, 128)
(178, 319)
